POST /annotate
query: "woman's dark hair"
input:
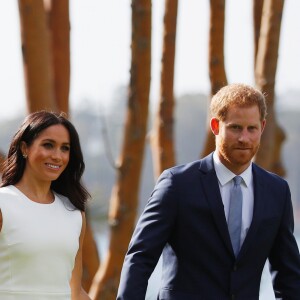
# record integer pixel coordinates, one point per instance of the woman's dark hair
(69, 182)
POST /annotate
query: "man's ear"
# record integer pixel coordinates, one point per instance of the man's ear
(214, 126)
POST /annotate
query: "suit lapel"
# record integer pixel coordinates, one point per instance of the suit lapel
(213, 196)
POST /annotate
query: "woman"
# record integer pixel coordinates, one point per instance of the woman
(42, 220)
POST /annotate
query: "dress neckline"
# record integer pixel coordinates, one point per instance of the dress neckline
(19, 192)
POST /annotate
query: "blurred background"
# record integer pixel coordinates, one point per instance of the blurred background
(99, 63)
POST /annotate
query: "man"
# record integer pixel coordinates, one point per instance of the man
(215, 243)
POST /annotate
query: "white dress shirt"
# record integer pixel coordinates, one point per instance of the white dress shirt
(225, 178)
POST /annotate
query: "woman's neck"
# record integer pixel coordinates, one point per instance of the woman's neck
(36, 191)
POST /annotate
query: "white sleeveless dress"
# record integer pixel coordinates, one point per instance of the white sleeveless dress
(38, 245)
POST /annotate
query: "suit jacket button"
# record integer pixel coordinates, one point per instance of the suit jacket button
(232, 296)
(235, 268)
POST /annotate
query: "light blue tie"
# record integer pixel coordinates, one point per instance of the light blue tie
(235, 214)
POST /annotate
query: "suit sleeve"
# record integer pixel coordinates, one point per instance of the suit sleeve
(284, 257)
(149, 238)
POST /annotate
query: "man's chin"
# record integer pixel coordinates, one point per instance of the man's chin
(243, 158)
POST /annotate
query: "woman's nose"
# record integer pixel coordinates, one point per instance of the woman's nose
(56, 154)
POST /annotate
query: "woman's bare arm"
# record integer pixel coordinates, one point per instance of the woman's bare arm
(76, 289)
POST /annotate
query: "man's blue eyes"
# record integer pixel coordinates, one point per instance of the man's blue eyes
(236, 127)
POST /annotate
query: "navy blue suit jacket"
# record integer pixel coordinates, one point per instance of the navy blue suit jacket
(184, 220)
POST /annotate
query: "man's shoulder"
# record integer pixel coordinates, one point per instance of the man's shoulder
(269, 177)
(204, 164)
(185, 166)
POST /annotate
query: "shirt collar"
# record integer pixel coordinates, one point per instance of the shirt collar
(225, 175)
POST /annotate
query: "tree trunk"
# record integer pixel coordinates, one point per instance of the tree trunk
(124, 198)
(59, 25)
(36, 56)
(59, 22)
(257, 14)
(162, 137)
(217, 72)
(265, 72)
(47, 76)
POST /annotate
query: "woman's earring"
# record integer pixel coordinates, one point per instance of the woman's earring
(25, 155)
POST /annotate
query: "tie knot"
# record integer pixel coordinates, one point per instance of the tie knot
(237, 180)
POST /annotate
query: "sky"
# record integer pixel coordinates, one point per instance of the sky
(100, 50)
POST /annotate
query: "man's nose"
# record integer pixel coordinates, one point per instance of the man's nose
(244, 135)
